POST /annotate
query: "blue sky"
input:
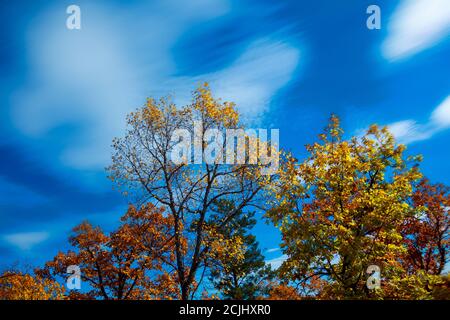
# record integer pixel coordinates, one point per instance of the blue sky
(288, 65)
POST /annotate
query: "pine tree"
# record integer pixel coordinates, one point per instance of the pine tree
(245, 278)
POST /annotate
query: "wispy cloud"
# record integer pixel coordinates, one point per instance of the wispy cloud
(415, 26)
(408, 131)
(441, 115)
(26, 240)
(272, 250)
(265, 67)
(276, 262)
(91, 78)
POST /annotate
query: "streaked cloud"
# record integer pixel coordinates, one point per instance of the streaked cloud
(265, 67)
(441, 115)
(26, 240)
(276, 262)
(416, 25)
(408, 131)
(272, 250)
(92, 78)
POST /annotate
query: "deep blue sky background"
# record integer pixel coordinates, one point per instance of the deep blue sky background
(288, 64)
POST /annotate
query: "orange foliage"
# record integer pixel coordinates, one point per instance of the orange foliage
(118, 265)
(283, 292)
(21, 286)
(426, 234)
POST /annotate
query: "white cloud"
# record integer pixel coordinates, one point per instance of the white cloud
(272, 250)
(26, 240)
(415, 26)
(441, 115)
(276, 262)
(264, 68)
(408, 131)
(96, 75)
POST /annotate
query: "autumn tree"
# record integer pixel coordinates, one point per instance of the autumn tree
(426, 238)
(128, 263)
(282, 291)
(239, 279)
(143, 166)
(340, 209)
(16, 285)
(426, 233)
(442, 290)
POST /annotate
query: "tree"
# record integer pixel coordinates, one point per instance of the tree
(239, 279)
(127, 263)
(15, 285)
(143, 166)
(340, 209)
(426, 238)
(427, 232)
(283, 291)
(442, 290)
